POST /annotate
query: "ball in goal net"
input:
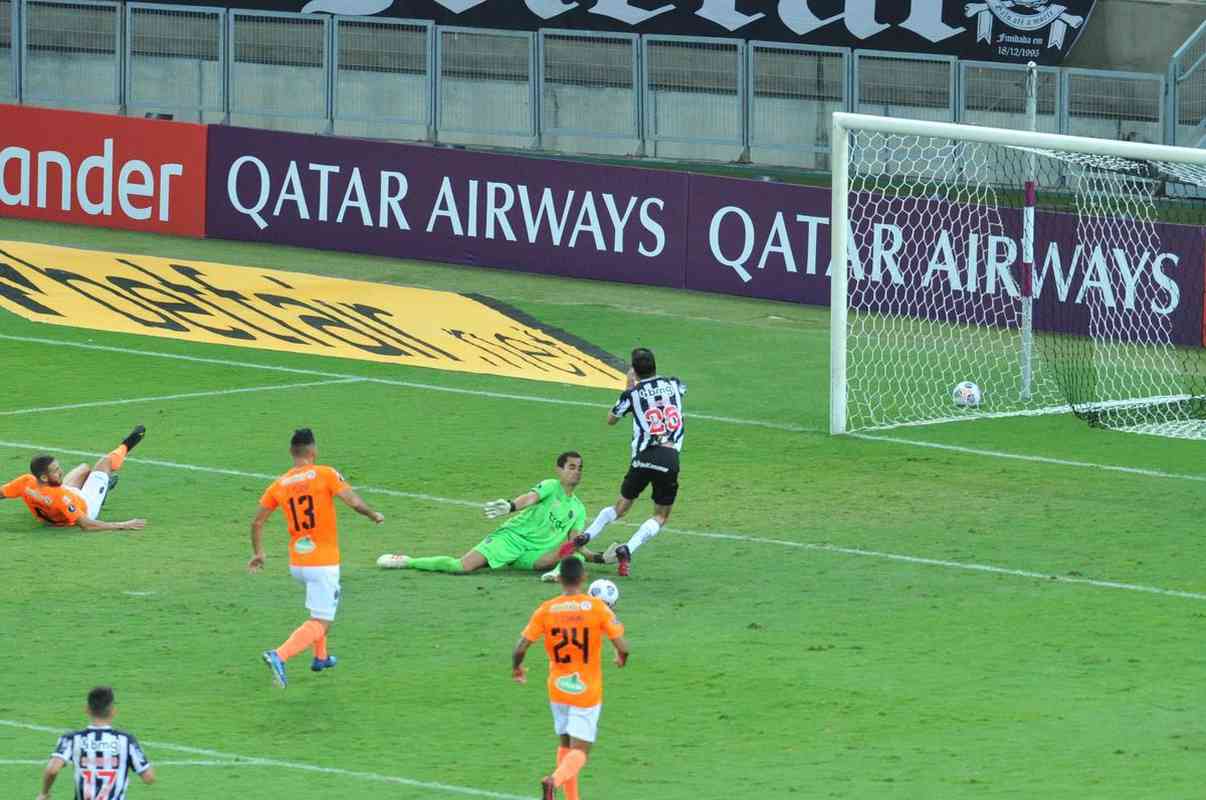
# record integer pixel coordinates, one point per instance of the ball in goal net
(1057, 273)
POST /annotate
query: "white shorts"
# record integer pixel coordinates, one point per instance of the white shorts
(322, 590)
(93, 492)
(576, 721)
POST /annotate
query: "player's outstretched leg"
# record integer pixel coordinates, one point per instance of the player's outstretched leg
(116, 457)
(604, 518)
(76, 477)
(649, 528)
(469, 562)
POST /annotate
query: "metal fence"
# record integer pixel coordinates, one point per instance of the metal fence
(589, 90)
(793, 91)
(1186, 114)
(561, 90)
(383, 77)
(175, 62)
(71, 54)
(8, 50)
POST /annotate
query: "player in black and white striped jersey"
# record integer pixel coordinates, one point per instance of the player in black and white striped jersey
(102, 756)
(658, 428)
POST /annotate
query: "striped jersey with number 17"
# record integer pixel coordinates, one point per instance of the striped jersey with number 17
(103, 758)
(656, 405)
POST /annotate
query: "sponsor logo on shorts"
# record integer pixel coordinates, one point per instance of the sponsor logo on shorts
(304, 545)
(571, 684)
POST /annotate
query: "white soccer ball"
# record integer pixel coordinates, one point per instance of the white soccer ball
(605, 590)
(967, 394)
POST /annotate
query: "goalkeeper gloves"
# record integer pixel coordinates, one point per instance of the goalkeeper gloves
(498, 508)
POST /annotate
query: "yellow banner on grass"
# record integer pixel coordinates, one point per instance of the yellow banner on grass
(199, 301)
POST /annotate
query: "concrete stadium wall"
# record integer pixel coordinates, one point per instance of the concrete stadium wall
(1136, 35)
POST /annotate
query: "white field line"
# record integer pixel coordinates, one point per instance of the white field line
(782, 426)
(1063, 462)
(740, 537)
(972, 416)
(273, 762)
(41, 762)
(186, 396)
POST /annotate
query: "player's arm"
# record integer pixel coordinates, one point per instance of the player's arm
(517, 669)
(49, 774)
(147, 776)
(624, 404)
(96, 526)
(257, 539)
(621, 646)
(501, 507)
(353, 500)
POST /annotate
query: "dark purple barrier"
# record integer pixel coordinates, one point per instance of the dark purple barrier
(772, 241)
(741, 237)
(411, 201)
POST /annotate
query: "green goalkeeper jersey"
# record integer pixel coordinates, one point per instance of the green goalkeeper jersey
(545, 524)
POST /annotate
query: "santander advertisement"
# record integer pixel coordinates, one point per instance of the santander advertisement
(95, 169)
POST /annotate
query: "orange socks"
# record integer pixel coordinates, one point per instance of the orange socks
(118, 456)
(309, 633)
(571, 764)
(320, 647)
(571, 786)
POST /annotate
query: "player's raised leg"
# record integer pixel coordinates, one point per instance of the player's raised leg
(76, 477)
(97, 481)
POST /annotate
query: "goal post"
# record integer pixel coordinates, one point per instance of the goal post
(1056, 272)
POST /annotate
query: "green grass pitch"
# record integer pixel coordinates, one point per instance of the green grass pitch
(809, 626)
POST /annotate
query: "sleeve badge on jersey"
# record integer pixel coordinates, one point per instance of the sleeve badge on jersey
(70, 508)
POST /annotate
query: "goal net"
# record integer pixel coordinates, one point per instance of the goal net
(1056, 273)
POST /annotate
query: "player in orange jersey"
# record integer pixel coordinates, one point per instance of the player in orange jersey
(573, 626)
(74, 498)
(306, 495)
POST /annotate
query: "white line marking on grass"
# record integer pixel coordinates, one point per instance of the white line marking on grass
(1063, 462)
(186, 396)
(273, 762)
(740, 537)
(140, 594)
(782, 426)
(938, 562)
(41, 762)
(238, 473)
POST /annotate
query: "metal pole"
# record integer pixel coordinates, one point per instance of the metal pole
(1027, 354)
(838, 270)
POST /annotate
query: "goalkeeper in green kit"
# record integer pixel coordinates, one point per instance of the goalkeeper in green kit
(545, 518)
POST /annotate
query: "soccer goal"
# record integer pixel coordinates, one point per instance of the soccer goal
(1057, 273)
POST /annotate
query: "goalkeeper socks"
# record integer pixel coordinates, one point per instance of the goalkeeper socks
(647, 531)
(309, 633)
(436, 564)
(569, 767)
(320, 648)
(605, 518)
